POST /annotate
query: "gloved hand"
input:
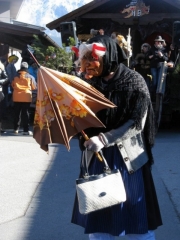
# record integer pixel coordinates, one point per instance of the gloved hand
(94, 144)
(1, 96)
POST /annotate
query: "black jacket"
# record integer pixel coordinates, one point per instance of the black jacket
(3, 79)
(154, 62)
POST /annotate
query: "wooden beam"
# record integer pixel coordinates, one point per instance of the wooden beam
(15, 32)
(152, 16)
(11, 41)
(175, 3)
(16, 29)
(76, 13)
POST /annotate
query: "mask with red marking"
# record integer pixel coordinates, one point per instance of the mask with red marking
(109, 59)
(90, 57)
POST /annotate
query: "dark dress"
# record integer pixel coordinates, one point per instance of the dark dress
(140, 212)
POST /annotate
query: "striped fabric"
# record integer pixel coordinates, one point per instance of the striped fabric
(101, 236)
(128, 217)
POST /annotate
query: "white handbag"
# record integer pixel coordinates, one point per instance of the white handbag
(96, 192)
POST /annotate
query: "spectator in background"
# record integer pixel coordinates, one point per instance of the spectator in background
(1, 102)
(121, 41)
(23, 84)
(141, 63)
(3, 63)
(11, 72)
(157, 54)
(26, 56)
(3, 82)
(172, 53)
(101, 31)
(32, 69)
(164, 44)
(94, 32)
(10, 68)
(76, 71)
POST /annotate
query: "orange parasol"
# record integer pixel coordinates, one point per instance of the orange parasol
(66, 105)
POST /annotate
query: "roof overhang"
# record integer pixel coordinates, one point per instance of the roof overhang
(88, 11)
(15, 6)
(74, 14)
(18, 36)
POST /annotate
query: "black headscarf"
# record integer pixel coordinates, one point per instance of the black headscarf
(113, 56)
(128, 90)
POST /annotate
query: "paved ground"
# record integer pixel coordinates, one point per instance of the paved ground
(37, 190)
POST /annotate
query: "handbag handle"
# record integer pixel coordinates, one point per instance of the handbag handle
(84, 165)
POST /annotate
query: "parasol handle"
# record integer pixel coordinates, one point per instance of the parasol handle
(87, 138)
(33, 58)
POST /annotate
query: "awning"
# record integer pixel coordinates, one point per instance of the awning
(18, 37)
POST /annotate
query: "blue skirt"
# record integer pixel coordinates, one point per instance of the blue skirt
(130, 217)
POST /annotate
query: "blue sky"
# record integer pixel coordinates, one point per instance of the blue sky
(41, 12)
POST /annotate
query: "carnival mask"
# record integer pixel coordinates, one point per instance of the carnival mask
(90, 65)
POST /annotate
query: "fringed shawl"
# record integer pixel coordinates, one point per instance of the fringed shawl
(128, 90)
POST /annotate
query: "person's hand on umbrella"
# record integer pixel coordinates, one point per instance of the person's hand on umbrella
(94, 144)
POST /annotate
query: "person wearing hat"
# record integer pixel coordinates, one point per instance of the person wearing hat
(157, 54)
(11, 72)
(10, 68)
(22, 85)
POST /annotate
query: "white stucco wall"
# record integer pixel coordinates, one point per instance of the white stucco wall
(5, 12)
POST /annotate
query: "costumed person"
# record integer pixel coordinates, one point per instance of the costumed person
(126, 144)
(157, 54)
(22, 85)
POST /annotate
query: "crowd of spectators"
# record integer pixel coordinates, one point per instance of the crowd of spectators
(16, 90)
(147, 62)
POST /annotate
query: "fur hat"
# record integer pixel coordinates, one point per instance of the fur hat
(24, 65)
(159, 39)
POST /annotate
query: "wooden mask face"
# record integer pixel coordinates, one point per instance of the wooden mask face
(91, 66)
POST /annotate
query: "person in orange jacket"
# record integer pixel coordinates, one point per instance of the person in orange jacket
(22, 85)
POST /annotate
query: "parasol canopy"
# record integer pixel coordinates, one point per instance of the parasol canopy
(65, 106)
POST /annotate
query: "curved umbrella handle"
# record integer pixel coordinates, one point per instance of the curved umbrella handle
(87, 138)
(33, 58)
